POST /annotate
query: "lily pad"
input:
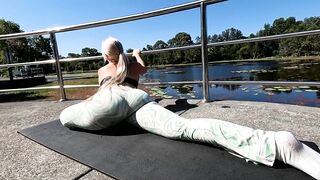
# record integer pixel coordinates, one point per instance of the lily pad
(311, 90)
(269, 89)
(304, 87)
(174, 72)
(284, 90)
(291, 67)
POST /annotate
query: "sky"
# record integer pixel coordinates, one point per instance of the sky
(249, 16)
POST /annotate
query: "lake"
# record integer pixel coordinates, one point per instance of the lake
(302, 70)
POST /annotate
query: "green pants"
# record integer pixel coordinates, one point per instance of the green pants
(115, 104)
(252, 144)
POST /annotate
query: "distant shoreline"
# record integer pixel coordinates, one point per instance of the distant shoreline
(291, 58)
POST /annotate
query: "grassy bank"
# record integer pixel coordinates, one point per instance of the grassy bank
(54, 94)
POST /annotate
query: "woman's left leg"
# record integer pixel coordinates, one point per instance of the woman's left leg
(253, 145)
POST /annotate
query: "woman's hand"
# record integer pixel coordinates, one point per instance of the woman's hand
(136, 53)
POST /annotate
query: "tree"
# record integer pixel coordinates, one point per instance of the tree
(164, 57)
(15, 45)
(73, 55)
(181, 39)
(86, 52)
(225, 52)
(244, 52)
(88, 65)
(41, 47)
(24, 49)
(160, 45)
(129, 50)
(284, 47)
(198, 40)
(148, 58)
(71, 66)
(231, 34)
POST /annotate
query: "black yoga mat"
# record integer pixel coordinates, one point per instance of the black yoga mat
(126, 152)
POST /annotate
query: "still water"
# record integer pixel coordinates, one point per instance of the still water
(303, 70)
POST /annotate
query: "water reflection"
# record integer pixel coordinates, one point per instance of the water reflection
(304, 70)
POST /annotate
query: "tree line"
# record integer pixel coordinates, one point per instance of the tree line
(301, 46)
(38, 48)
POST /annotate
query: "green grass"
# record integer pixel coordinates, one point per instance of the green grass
(52, 94)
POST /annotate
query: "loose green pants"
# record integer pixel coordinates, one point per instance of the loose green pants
(252, 144)
(115, 104)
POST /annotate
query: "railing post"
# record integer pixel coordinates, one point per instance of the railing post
(204, 51)
(54, 47)
(8, 55)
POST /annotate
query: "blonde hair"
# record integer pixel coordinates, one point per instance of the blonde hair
(113, 48)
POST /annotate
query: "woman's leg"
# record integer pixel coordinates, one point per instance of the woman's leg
(254, 145)
(105, 108)
(291, 151)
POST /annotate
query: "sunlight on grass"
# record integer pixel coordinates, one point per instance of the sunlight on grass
(54, 94)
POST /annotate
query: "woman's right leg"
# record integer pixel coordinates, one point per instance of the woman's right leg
(291, 151)
(255, 145)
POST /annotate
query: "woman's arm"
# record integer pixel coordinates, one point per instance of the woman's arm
(142, 67)
(136, 54)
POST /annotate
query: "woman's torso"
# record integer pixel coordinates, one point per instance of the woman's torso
(132, 78)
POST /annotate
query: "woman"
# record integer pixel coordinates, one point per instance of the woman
(118, 65)
(118, 99)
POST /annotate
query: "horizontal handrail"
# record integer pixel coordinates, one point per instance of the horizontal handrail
(123, 19)
(50, 87)
(29, 89)
(49, 61)
(239, 41)
(91, 58)
(278, 83)
(267, 38)
(289, 83)
(52, 61)
(171, 49)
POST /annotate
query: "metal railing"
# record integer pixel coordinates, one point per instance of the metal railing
(204, 47)
(201, 3)
(145, 15)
